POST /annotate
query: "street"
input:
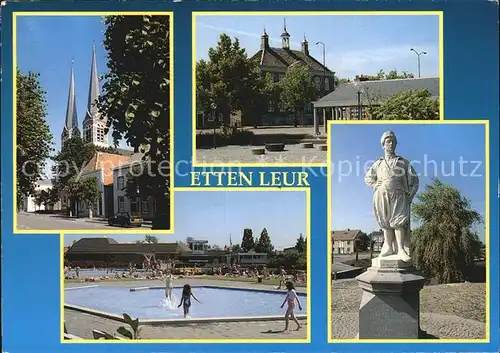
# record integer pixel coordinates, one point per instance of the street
(31, 221)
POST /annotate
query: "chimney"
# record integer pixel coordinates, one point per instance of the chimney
(264, 40)
(305, 46)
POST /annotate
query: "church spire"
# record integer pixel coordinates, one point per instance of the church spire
(285, 37)
(93, 86)
(70, 128)
(94, 125)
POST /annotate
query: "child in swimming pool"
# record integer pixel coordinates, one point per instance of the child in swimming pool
(169, 286)
(186, 299)
(291, 297)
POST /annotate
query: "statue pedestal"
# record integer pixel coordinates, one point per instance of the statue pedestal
(390, 306)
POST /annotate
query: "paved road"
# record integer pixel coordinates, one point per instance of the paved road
(31, 221)
(81, 324)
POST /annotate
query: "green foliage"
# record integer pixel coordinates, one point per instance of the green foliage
(236, 248)
(381, 75)
(136, 98)
(84, 189)
(408, 105)
(264, 244)
(228, 79)
(74, 155)
(298, 88)
(289, 259)
(34, 139)
(444, 244)
(301, 245)
(151, 239)
(132, 333)
(247, 242)
(224, 137)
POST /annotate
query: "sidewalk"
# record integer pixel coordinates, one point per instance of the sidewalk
(147, 224)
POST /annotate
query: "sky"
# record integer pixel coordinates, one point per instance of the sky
(354, 44)
(444, 144)
(44, 48)
(215, 215)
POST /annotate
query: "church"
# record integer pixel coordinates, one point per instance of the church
(110, 169)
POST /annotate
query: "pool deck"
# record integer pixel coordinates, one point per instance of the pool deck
(81, 324)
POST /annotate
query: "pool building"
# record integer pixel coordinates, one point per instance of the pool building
(107, 252)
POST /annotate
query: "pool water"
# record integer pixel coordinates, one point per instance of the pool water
(151, 304)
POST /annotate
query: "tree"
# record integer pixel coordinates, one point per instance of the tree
(136, 98)
(151, 239)
(364, 242)
(85, 190)
(33, 138)
(74, 155)
(381, 75)
(408, 105)
(300, 245)
(264, 244)
(444, 244)
(298, 89)
(247, 242)
(236, 249)
(229, 79)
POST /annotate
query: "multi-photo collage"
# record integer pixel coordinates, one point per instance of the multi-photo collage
(308, 186)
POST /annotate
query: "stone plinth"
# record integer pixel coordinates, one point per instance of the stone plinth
(390, 305)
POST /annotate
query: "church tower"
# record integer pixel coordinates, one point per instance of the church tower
(285, 37)
(94, 126)
(70, 128)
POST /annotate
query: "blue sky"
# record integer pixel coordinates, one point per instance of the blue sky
(44, 48)
(444, 144)
(213, 215)
(354, 44)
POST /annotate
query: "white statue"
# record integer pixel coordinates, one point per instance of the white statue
(395, 183)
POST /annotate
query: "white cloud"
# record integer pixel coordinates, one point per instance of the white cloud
(242, 33)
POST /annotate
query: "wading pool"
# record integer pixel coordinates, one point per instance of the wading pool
(150, 303)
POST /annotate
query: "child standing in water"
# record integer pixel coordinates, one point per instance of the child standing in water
(169, 286)
(291, 297)
(186, 299)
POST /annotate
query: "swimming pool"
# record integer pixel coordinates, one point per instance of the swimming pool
(217, 302)
(99, 273)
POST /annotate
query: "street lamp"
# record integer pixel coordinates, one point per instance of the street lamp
(213, 106)
(418, 58)
(359, 99)
(324, 63)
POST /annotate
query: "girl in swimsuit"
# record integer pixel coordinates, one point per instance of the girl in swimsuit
(186, 299)
(291, 297)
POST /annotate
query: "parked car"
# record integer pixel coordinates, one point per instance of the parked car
(125, 219)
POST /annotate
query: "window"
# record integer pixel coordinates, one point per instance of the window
(281, 77)
(327, 84)
(121, 203)
(120, 182)
(88, 134)
(145, 206)
(348, 242)
(317, 80)
(134, 206)
(100, 134)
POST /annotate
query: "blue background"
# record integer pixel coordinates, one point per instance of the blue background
(31, 306)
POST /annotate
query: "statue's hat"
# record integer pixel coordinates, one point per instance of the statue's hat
(388, 134)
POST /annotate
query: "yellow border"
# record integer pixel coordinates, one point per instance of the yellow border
(300, 13)
(14, 107)
(486, 221)
(195, 189)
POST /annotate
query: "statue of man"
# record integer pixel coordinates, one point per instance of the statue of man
(395, 183)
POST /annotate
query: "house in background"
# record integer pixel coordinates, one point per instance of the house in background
(343, 103)
(28, 202)
(343, 241)
(377, 237)
(101, 167)
(276, 61)
(143, 206)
